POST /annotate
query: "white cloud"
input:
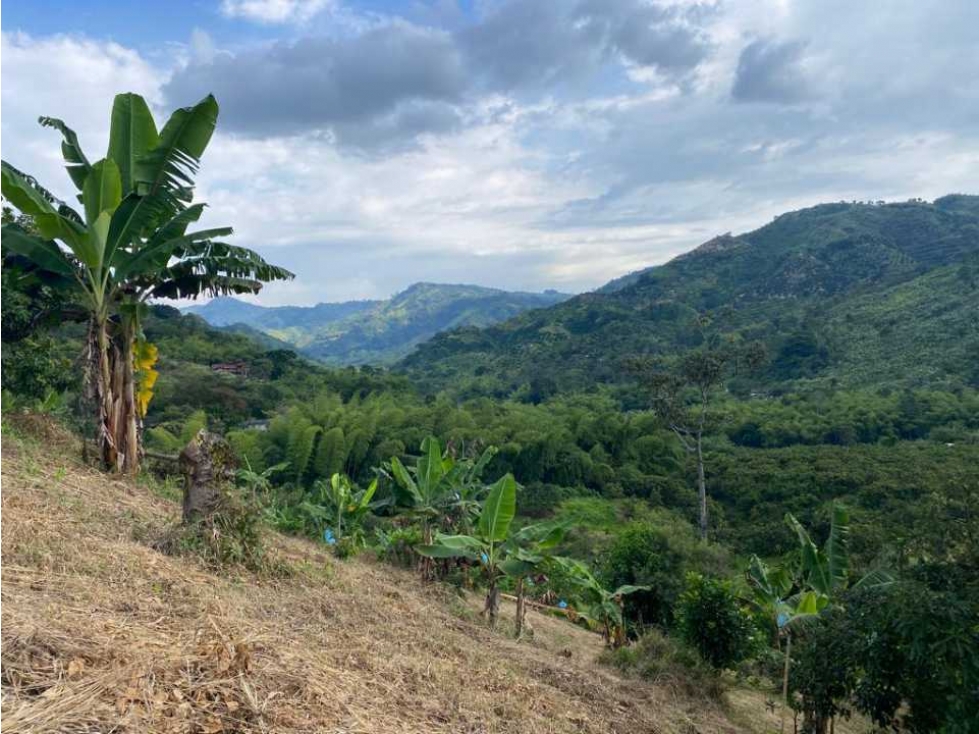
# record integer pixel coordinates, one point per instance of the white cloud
(69, 77)
(274, 11)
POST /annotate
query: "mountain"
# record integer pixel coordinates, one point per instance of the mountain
(228, 311)
(845, 293)
(376, 332)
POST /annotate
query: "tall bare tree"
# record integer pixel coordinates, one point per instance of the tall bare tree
(682, 390)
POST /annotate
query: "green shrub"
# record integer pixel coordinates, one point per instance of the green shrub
(903, 656)
(710, 619)
(667, 662)
(657, 553)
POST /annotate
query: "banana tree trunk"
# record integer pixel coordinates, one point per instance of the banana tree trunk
(129, 440)
(111, 385)
(492, 606)
(100, 391)
(426, 564)
(785, 679)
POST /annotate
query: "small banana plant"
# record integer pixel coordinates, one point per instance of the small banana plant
(819, 576)
(439, 486)
(487, 546)
(605, 605)
(528, 551)
(342, 506)
(258, 483)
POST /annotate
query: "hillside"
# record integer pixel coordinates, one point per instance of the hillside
(376, 332)
(101, 631)
(895, 279)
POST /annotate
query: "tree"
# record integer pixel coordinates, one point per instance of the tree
(820, 576)
(130, 244)
(488, 545)
(528, 551)
(35, 365)
(681, 394)
(344, 506)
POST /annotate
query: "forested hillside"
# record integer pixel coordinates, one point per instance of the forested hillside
(852, 295)
(376, 332)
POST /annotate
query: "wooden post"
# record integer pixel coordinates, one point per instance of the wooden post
(518, 623)
(785, 679)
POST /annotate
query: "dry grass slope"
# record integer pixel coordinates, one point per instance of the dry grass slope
(102, 633)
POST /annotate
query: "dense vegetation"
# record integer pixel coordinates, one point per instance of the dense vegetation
(376, 332)
(490, 445)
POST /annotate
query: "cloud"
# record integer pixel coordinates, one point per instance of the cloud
(382, 87)
(771, 71)
(393, 80)
(69, 77)
(274, 11)
(527, 43)
(533, 145)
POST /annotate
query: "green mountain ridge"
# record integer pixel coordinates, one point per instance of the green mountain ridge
(374, 332)
(831, 290)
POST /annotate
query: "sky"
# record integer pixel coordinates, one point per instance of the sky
(519, 144)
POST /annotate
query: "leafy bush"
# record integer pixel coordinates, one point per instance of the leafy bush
(397, 545)
(711, 620)
(666, 661)
(905, 656)
(657, 553)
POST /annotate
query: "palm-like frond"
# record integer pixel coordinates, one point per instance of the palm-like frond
(876, 579)
(75, 160)
(163, 180)
(170, 166)
(132, 133)
(44, 253)
(836, 552)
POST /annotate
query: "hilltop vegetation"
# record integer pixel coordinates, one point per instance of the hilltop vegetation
(842, 295)
(376, 332)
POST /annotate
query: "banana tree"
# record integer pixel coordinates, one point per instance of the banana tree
(258, 483)
(488, 545)
(818, 575)
(605, 605)
(467, 490)
(439, 486)
(528, 551)
(129, 244)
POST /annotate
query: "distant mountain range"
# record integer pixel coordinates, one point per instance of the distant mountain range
(372, 332)
(842, 294)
